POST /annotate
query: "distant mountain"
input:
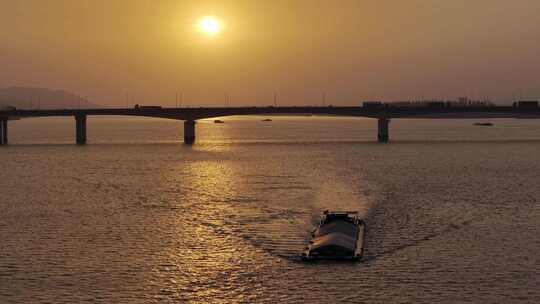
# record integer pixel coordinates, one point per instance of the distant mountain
(33, 98)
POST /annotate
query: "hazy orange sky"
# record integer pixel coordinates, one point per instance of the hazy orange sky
(352, 50)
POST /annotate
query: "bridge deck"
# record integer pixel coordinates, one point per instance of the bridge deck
(384, 112)
(190, 115)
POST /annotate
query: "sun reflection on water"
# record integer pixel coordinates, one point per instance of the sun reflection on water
(208, 255)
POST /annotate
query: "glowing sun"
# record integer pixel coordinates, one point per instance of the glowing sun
(209, 25)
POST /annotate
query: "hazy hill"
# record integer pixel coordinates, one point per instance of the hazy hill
(33, 98)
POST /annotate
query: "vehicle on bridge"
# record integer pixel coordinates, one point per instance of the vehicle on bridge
(372, 104)
(526, 104)
(339, 236)
(436, 104)
(139, 107)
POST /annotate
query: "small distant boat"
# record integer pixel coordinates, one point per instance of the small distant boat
(483, 124)
(218, 121)
(339, 236)
(267, 119)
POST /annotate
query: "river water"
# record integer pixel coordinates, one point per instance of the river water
(135, 216)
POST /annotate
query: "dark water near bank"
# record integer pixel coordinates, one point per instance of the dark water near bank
(136, 217)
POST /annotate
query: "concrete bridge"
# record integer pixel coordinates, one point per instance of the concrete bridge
(190, 115)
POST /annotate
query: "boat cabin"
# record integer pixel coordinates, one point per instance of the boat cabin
(338, 236)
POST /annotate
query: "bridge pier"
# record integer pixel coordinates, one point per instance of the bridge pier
(189, 131)
(383, 130)
(80, 129)
(3, 131)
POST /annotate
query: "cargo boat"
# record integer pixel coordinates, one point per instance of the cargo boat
(339, 236)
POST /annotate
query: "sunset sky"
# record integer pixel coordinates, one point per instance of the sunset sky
(352, 50)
